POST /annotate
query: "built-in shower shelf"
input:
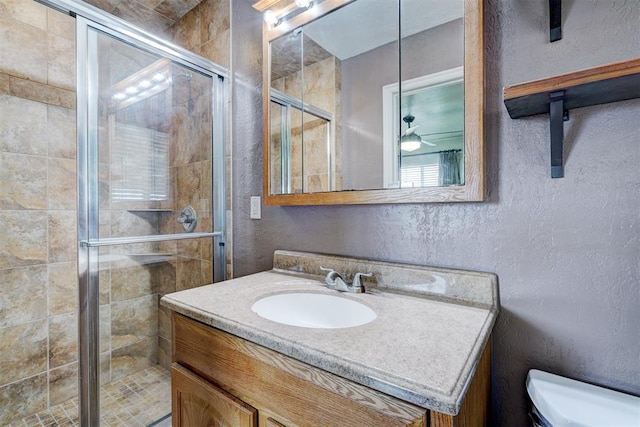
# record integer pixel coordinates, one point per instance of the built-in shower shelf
(557, 95)
(152, 258)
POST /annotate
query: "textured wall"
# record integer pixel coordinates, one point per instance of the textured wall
(567, 251)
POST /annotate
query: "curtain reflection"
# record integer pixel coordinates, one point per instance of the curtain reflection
(449, 167)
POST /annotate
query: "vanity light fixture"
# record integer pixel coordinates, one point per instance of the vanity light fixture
(271, 18)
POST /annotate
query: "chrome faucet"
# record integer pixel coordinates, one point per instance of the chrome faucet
(335, 281)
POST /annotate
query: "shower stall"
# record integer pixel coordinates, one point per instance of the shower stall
(112, 195)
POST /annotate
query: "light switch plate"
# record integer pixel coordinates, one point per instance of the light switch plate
(255, 212)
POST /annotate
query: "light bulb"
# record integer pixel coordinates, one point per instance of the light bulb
(119, 96)
(144, 84)
(270, 17)
(158, 77)
(303, 3)
(131, 90)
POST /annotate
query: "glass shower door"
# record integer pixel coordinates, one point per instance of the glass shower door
(147, 222)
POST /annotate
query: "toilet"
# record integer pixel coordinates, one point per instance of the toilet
(561, 402)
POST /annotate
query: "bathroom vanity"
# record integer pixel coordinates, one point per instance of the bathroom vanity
(424, 360)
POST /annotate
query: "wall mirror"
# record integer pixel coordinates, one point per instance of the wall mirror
(373, 101)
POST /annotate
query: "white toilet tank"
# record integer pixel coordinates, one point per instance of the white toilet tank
(562, 402)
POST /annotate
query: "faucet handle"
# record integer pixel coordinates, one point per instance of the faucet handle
(356, 278)
(332, 275)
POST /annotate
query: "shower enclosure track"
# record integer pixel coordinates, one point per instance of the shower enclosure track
(113, 241)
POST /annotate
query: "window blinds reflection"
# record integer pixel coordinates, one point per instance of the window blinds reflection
(140, 169)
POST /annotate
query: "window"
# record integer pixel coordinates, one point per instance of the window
(419, 176)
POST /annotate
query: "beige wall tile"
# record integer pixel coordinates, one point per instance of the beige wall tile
(24, 238)
(23, 181)
(217, 49)
(63, 384)
(133, 320)
(104, 185)
(61, 132)
(23, 350)
(134, 357)
(168, 224)
(23, 294)
(62, 236)
(27, 396)
(61, 25)
(142, 16)
(105, 328)
(23, 49)
(206, 272)
(25, 11)
(125, 223)
(188, 182)
(63, 339)
(175, 9)
(41, 92)
(4, 83)
(189, 248)
(104, 277)
(61, 70)
(23, 126)
(63, 288)
(105, 367)
(130, 280)
(188, 274)
(165, 276)
(106, 5)
(151, 4)
(164, 322)
(164, 352)
(215, 19)
(183, 34)
(62, 183)
(207, 244)
(183, 148)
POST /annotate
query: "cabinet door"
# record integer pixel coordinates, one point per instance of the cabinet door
(273, 423)
(196, 403)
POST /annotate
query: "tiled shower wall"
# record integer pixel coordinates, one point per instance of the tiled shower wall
(206, 30)
(38, 291)
(322, 89)
(38, 276)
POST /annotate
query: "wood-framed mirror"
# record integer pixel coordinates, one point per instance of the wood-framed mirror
(373, 101)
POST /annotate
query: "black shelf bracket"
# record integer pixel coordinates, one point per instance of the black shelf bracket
(558, 116)
(555, 20)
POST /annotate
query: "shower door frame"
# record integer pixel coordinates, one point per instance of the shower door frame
(89, 17)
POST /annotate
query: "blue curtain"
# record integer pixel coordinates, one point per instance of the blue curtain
(449, 173)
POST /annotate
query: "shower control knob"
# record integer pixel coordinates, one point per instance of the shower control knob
(188, 219)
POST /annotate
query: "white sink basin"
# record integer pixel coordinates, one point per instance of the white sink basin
(313, 310)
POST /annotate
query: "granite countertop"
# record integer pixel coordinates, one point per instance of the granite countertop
(421, 349)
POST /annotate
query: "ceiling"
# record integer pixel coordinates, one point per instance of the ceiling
(155, 16)
(366, 24)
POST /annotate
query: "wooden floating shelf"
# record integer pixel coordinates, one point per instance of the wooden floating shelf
(557, 95)
(609, 83)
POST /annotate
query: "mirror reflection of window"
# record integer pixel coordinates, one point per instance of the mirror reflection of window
(141, 156)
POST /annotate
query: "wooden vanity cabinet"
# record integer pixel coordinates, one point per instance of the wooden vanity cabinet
(219, 379)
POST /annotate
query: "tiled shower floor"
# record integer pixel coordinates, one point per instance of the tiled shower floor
(134, 401)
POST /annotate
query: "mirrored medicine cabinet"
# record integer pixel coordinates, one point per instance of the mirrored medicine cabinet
(373, 101)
